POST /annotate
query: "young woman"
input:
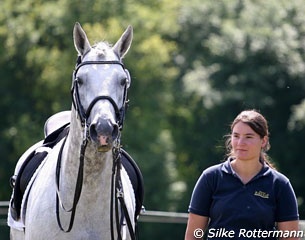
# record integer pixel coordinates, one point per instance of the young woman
(244, 197)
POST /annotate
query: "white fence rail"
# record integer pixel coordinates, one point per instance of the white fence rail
(146, 216)
(163, 217)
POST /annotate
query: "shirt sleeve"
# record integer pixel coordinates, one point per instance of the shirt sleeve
(287, 207)
(202, 195)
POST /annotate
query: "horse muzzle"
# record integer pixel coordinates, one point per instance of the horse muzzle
(103, 132)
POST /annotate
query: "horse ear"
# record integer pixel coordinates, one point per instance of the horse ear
(81, 41)
(123, 44)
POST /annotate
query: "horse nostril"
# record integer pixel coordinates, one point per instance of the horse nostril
(115, 132)
(104, 128)
(93, 132)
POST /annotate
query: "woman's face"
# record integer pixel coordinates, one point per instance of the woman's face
(246, 143)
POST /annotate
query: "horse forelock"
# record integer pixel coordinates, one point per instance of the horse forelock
(102, 49)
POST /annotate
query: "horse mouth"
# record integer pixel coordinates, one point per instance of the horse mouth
(103, 148)
(104, 143)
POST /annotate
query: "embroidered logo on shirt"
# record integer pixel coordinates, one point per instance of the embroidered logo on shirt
(261, 194)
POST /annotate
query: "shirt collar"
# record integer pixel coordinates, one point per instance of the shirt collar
(227, 168)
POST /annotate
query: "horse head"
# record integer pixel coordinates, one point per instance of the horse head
(99, 88)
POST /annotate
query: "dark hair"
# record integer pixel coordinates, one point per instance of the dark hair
(258, 124)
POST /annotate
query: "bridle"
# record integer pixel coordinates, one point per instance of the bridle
(116, 184)
(84, 114)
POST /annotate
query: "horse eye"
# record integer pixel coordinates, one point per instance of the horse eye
(124, 81)
(79, 81)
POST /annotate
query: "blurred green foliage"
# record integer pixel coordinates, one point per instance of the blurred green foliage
(194, 65)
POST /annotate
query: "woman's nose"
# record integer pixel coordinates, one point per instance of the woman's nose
(241, 141)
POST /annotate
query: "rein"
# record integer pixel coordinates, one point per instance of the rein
(78, 186)
(117, 189)
(117, 194)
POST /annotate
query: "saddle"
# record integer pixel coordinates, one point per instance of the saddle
(56, 128)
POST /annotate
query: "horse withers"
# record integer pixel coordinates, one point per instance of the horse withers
(80, 188)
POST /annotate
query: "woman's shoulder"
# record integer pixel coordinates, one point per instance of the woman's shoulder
(209, 176)
(213, 170)
(277, 176)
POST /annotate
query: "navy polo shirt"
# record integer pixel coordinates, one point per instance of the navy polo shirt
(232, 205)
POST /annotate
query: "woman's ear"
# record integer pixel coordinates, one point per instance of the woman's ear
(265, 141)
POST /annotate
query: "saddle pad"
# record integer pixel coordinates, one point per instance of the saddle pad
(28, 168)
(136, 179)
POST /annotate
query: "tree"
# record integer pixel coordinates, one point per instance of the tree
(242, 54)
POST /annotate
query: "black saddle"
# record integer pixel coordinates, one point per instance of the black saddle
(34, 159)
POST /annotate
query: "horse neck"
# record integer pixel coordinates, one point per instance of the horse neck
(97, 165)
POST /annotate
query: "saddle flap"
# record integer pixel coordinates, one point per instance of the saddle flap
(30, 165)
(24, 176)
